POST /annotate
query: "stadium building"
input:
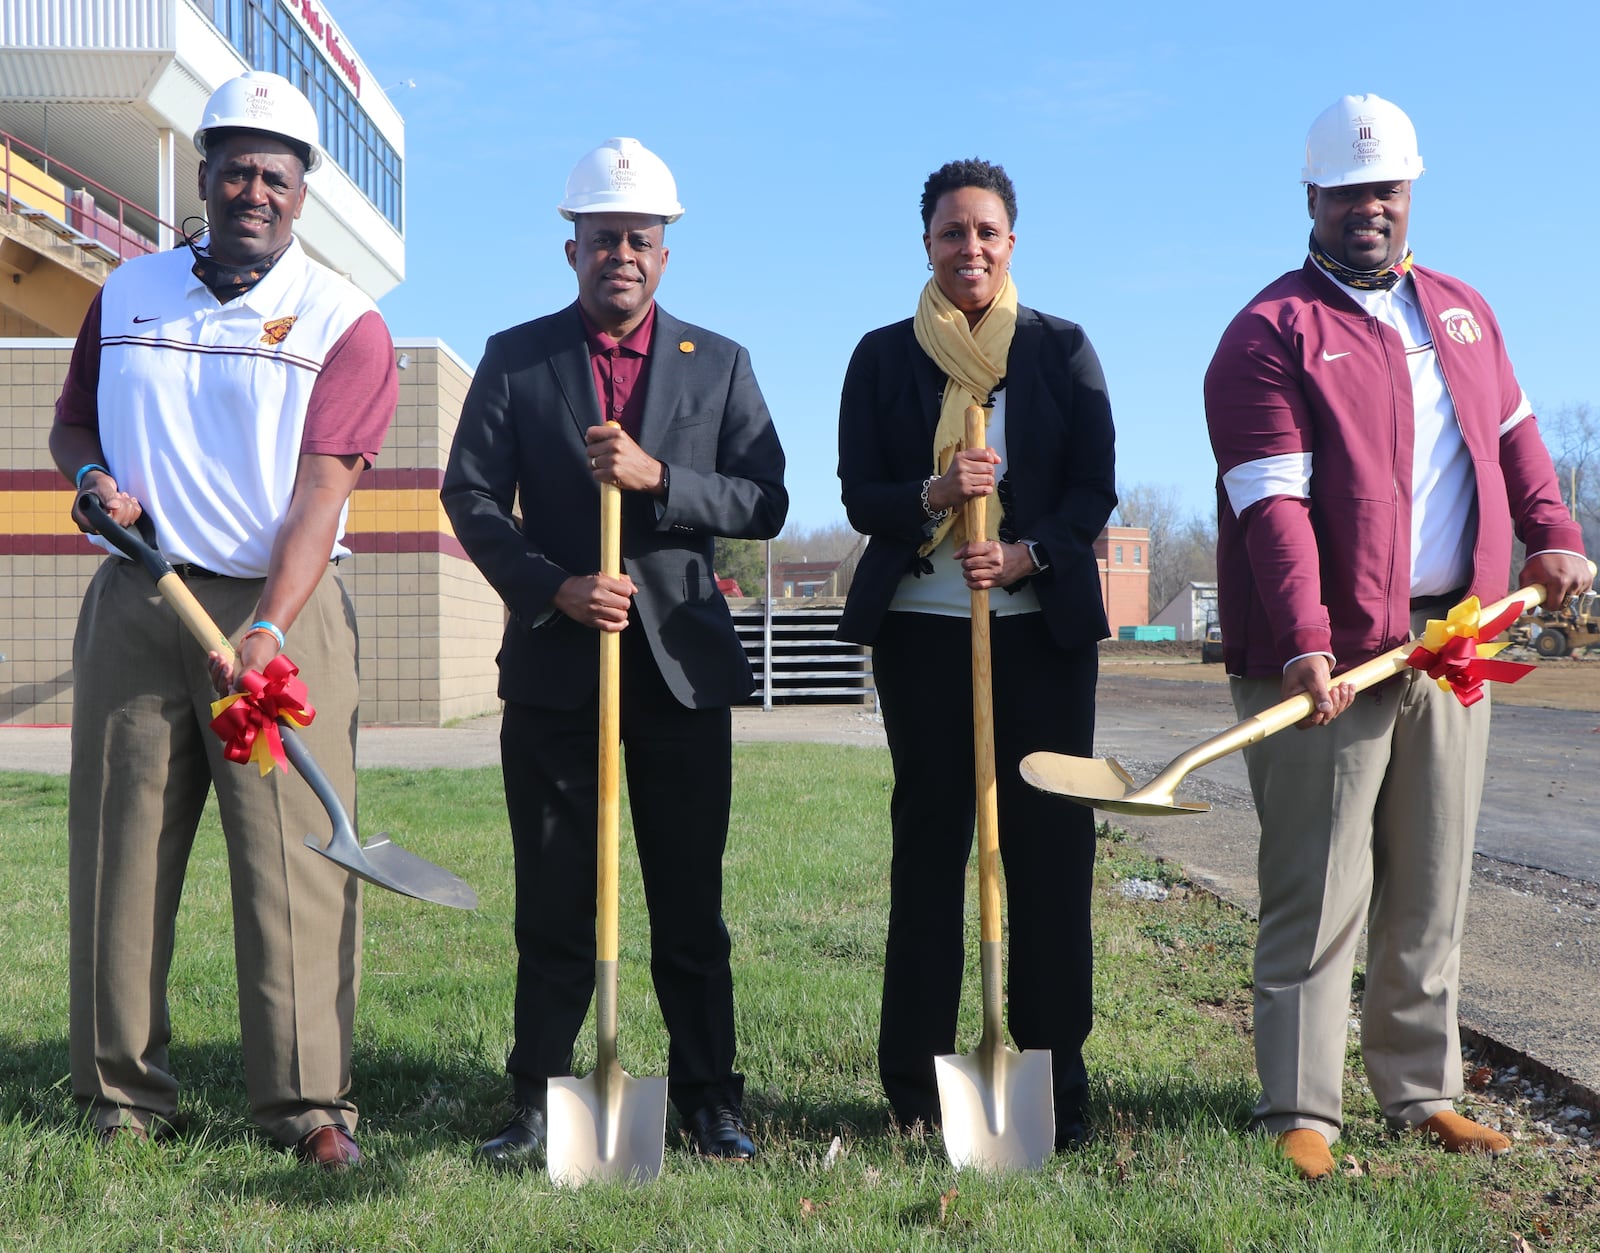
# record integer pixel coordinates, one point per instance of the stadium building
(98, 102)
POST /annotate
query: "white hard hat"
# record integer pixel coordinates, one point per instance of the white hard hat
(260, 101)
(1361, 139)
(621, 176)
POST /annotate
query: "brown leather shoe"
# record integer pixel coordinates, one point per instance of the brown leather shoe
(1307, 1152)
(331, 1147)
(1456, 1134)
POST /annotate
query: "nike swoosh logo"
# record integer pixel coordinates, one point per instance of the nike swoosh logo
(153, 318)
(1326, 355)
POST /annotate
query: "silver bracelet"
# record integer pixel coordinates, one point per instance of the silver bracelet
(938, 515)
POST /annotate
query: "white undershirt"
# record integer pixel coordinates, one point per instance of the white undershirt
(945, 591)
(1444, 497)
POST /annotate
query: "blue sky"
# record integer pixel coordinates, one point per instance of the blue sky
(1156, 149)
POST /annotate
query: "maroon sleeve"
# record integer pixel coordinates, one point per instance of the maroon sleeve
(1538, 515)
(355, 396)
(79, 402)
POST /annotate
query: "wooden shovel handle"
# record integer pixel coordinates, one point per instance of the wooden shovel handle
(976, 511)
(1287, 713)
(173, 589)
(610, 775)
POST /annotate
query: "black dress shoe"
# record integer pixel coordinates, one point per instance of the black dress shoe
(1074, 1135)
(718, 1130)
(515, 1144)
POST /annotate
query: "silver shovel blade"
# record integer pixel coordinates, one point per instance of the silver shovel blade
(605, 1127)
(383, 862)
(1000, 1113)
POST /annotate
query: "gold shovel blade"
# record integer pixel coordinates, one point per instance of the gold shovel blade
(1101, 783)
(997, 1113)
(605, 1126)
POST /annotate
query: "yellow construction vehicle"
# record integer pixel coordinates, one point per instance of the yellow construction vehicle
(1555, 632)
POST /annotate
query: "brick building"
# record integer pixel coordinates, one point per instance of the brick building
(1123, 555)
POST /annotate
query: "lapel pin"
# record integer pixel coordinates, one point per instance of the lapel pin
(686, 345)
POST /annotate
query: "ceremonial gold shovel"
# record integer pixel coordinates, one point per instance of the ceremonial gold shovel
(1101, 783)
(607, 1125)
(380, 860)
(996, 1105)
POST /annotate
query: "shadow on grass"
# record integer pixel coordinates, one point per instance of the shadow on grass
(421, 1101)
(856, 1117)
(1121, 1106)
(1134, 1104)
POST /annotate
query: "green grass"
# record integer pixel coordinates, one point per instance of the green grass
(806, 901)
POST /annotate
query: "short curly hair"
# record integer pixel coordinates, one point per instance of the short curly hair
(973, 172)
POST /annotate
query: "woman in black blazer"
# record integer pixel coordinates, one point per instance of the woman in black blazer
(904, 476)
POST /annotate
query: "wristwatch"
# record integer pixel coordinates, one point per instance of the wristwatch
(1036, 550)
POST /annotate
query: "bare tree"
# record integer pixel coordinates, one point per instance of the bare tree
(1573, 436)
(1183, 546)
(833, 542)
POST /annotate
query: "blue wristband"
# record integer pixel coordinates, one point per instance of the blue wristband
(77, 479)
(269, 629)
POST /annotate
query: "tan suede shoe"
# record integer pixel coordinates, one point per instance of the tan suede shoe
(1307, 1152)
(1456, 1134)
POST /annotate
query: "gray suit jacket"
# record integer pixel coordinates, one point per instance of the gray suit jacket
(520, 444)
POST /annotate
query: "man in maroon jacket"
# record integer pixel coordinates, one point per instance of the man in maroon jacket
(1375, 456)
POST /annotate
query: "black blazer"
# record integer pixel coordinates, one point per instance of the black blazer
(520, 442)
(1060, 480)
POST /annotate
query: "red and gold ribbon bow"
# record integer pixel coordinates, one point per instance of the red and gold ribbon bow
(1452, 651)
(247, 721)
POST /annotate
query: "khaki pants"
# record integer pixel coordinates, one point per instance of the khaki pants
(143, 761)
(1369, 819)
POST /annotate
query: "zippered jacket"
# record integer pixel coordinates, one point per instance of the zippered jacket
(1310, 393)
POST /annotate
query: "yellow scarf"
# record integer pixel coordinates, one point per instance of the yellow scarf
(974, 361)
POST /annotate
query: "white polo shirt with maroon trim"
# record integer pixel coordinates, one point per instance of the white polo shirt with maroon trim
(203, 409)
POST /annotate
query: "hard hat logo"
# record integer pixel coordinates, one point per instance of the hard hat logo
(1366, 147)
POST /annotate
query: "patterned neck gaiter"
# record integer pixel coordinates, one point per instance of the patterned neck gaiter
(1362, 280)
(226, 282)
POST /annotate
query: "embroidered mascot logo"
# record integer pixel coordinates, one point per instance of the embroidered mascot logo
(1461, 326)
(276, 331)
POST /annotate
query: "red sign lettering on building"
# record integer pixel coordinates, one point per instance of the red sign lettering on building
(322, 29)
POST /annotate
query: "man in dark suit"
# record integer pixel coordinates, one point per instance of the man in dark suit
(613, 389)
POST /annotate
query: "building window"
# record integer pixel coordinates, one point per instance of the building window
(270, 39)
(1117, 559)
(1138, 555)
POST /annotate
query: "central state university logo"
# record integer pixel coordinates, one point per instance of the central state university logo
(1461, 326)
(275, 331)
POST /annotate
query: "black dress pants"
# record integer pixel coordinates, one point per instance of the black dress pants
(679, 774)
(1043, 699)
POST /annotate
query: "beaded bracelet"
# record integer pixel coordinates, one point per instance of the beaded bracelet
(265, 628)
(938, 515)
(77, 479)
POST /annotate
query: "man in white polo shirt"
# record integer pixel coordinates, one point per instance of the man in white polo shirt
(225, 398)
(1375, 455)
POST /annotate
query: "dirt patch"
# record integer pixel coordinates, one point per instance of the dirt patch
(1564, 683)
